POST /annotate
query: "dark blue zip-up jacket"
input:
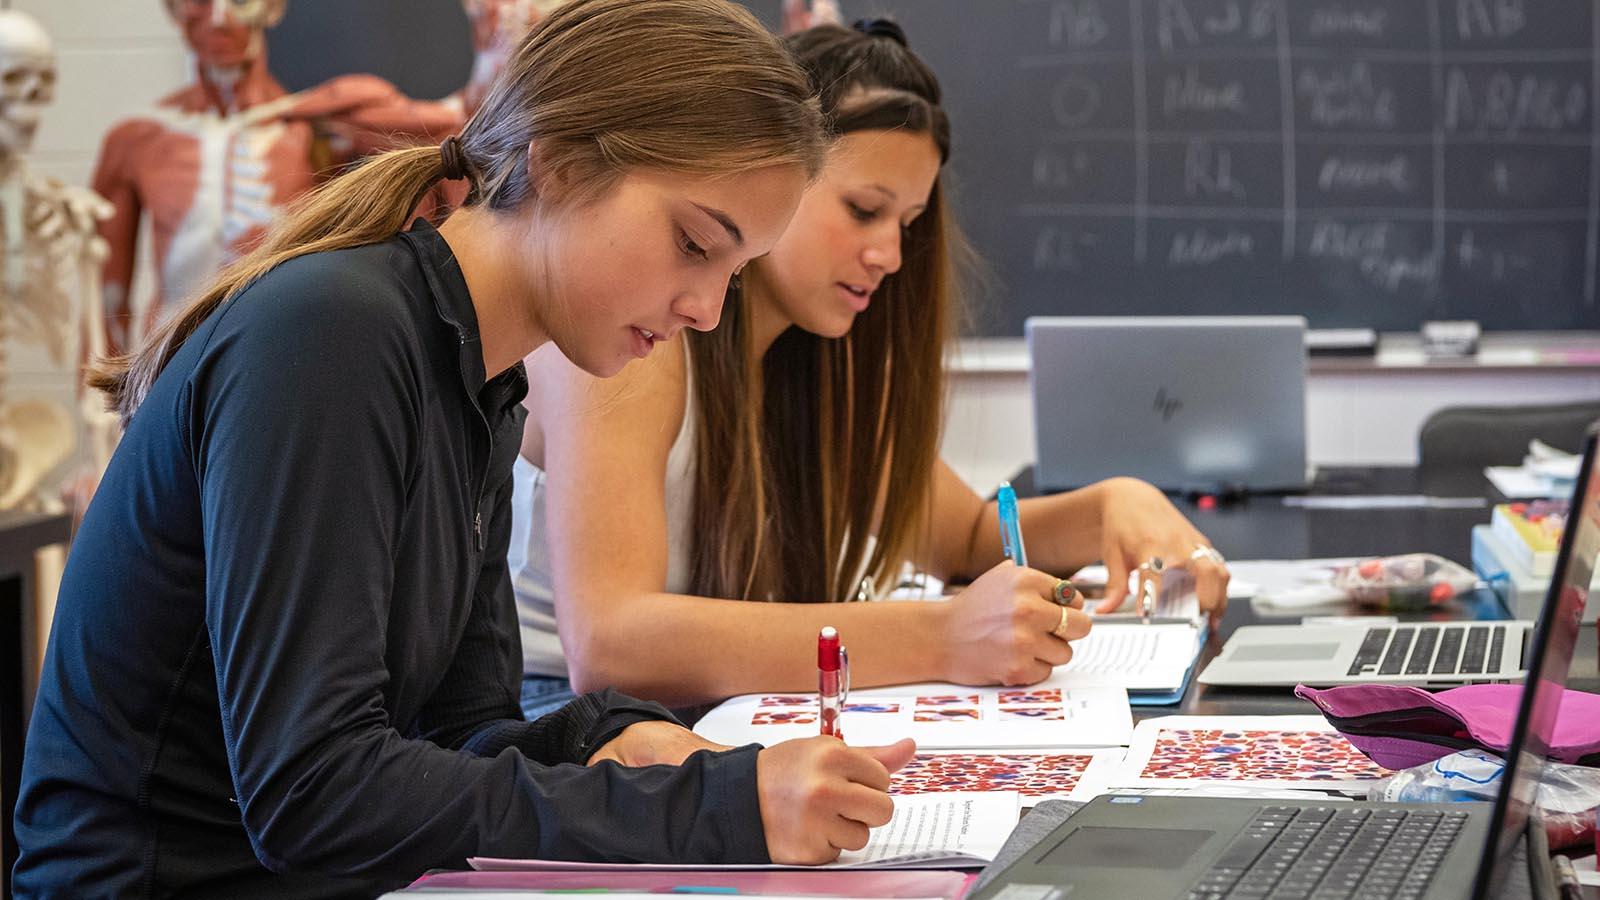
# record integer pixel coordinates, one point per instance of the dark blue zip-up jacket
(285, 657)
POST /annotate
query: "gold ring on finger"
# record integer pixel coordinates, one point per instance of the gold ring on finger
(1060, 630)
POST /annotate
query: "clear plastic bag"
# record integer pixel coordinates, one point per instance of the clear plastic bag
(1412, 581)
(1567, 799)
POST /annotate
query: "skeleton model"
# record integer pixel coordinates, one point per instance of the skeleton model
(498, 26)
(213, 164)
(50, 312)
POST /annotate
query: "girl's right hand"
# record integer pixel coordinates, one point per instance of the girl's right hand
(1005, 628)
(819, 796)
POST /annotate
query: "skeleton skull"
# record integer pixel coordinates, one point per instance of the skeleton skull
(27, 80)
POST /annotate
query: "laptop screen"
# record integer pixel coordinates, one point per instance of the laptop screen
(1555, 636)
(1184, 402)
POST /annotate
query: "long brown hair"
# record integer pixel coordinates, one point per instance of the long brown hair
(694, 87)
(845, 431)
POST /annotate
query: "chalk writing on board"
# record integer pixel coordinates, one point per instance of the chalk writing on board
(1389, 159)
(1201, 246)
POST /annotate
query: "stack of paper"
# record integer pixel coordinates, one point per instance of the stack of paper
(1150, 660)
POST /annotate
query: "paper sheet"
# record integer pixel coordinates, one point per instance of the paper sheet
(1035, 775)
(1132, 655)
(938, 717)
(928, 831)
(1270, 752)
(1521, 483)
(1587, 874)
(1292, 586)
(490, 894)
(905, 884)
(938, 830)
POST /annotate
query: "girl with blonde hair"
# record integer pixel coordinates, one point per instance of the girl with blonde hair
(284, 660)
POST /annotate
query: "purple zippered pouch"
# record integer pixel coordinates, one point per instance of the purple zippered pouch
(1400, 726)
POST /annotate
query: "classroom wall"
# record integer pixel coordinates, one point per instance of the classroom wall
(115, 58)
(119, 57)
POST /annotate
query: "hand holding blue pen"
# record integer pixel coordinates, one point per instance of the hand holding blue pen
(1010, 526)
(1064, 594)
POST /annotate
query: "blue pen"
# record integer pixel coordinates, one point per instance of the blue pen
(1010, 527)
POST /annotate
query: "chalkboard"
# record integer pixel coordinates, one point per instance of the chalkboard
(423, 46)
(1362, 162)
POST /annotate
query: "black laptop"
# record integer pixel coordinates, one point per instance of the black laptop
(1202, 848)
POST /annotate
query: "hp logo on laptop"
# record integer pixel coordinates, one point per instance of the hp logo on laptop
(1167, 406)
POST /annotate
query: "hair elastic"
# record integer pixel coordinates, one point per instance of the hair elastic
(884, 28)
(453, 159)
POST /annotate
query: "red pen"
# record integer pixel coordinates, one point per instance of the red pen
(833, 681)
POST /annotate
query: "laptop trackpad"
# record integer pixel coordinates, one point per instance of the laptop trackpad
(1283, 652)
(1126, 848)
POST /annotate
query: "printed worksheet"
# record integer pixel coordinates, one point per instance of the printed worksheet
(937, 716)
(928, 831)
(1035, 775)
(1267, 752)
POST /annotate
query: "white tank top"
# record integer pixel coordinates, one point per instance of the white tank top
(529, 555)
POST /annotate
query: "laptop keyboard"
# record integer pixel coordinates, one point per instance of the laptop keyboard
(1325, 853)
(1454, 650)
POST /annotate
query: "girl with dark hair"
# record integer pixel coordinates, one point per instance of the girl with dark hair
(791, 456)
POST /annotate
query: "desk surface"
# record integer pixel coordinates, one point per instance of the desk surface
(1263, 527)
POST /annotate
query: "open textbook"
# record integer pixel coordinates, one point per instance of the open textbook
(938, 716)
(1150, 660)
(928, 831)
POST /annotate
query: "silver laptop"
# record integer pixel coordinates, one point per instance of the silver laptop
(1170, 847)
(1420, 653)
(1186, 403)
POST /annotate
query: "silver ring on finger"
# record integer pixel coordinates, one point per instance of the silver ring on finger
(1209, 553)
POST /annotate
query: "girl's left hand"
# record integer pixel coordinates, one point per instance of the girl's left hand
(653, 744)
(1139, 523)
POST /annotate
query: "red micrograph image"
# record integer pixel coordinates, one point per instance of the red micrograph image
(1042, 697)
(788, 701)
(1040, 713)
(950, 700)
(1244, 755)
(784, 717)
(946, 714)
(1031, 774)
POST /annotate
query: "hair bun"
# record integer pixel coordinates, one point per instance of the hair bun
(884, 28)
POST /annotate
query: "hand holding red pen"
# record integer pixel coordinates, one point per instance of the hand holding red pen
(833, 682)
(819, 796)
